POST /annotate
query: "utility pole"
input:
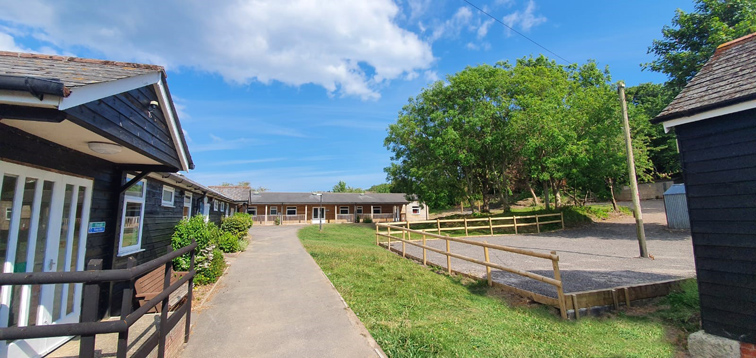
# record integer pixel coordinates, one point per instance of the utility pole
(633, 181)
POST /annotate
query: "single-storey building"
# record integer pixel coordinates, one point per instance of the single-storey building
(83, 147)
(714, 119)
(239, 194)
(285, 208)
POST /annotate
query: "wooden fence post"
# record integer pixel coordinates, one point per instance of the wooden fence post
(425, 253)
(538, 225)
(575, 307)
(388, 232)
(488, 269)
(163, 328)
(438, 225)
(561, 216)
(188, 326)
(123, 337)
(466, 226)
(89, 310)
(404, 244)
(560, 288)
(409, 234)
(490, 225)
(377, 242)
(515, 223)
(448, 258)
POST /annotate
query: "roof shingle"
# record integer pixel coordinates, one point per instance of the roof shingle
(728, 77)
(328, 198)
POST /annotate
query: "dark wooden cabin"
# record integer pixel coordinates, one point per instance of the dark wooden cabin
(714, 119)
(76, 138)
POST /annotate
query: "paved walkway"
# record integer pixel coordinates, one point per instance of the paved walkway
(276, 302)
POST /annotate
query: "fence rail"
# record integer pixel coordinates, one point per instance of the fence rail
(88, 327)
(488, 224)
(404, 235)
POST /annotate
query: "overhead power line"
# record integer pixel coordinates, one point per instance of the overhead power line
(517, 32)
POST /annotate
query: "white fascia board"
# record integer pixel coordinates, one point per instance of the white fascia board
(22, 98)
(93, 92)
(166, 105)
(739, 107)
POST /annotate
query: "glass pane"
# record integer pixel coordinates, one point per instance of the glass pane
(23, 245)
(39, 249)
(75, 248)
(6, 210)
(135, 190)
(65, 226)
(131, 224)
(167, 196)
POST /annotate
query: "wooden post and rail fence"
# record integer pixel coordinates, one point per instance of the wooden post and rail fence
(489, 225)
(406, 238)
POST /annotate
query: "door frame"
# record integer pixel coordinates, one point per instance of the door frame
(320, 209)
(44, 346)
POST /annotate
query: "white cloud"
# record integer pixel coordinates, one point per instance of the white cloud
(453, 26)
(296, 42)
(431, 76)
(7, 43)
(218, 143)
(483, 29)
(524, 20)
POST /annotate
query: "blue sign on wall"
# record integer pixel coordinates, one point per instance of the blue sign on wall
(96, 227)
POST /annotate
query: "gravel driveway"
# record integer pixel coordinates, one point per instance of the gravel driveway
(598, 256)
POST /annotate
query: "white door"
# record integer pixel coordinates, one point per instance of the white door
(318, 215)
(43, 228)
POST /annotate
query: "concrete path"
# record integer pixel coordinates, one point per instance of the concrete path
(276, 302)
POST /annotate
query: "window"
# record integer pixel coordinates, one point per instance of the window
(291, 210)
(376, 210)
(252, 210)
(132, 218)
(222, 206)
(187, 205)
(358, 210)
(215, 205)
(8, 212)
(416, 210)
(168, 194)
(343, 210)
(273, 210)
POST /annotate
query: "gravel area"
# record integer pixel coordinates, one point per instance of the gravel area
(598, 256)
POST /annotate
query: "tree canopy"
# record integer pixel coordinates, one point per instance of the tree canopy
(693, 37)
(490, 130)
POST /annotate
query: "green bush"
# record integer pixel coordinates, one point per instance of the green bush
(238, 224)
(367, 220)
(207, 236)
(228, 242)
(216, 265)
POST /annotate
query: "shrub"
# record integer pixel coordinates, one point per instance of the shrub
(228, 242)
(367, 220)
(238, 224)
(207, 236)
(278, 220)
(213, 269)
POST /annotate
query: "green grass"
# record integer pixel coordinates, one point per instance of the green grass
(413, 312)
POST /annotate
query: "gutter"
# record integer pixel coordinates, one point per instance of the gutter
(37, 87)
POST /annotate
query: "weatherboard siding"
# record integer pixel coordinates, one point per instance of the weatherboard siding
(719, 165)
(123, 118)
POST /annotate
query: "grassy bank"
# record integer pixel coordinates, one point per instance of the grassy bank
(413, 312)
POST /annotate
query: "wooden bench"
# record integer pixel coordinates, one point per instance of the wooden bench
(151, 285)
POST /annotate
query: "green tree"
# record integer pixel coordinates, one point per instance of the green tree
(341, 187)
(380, 188)
(693, 37)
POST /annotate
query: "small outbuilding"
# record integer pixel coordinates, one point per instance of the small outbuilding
(714, 118)
(676, 207)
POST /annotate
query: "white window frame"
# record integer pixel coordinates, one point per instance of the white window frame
(416, 210)
(188, 195)
(341, 210)
(223, 206)
(273, 210)
(291, 207)
(380, 210)
(215, 204)
(170, 203)
(252, 208)
(123, 251)
(358, 210)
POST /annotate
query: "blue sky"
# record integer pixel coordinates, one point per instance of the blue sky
(297, 95)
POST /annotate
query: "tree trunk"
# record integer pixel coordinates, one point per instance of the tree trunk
(557, 195)
(462, 207)
(532, 193)
(546, 194)
(611, 190)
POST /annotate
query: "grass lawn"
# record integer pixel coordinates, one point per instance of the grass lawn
(411, 311)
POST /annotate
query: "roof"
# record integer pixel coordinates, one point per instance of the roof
(675, 189)
(181, 181)
(328, 198)
(72, 71)
(728, 78)
(238, 193)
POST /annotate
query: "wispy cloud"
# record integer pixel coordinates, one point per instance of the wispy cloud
(248, 161)
(525, 19)
(219, 143)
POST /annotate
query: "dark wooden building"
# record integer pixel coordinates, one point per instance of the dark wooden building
(714, 119)
(78, 139)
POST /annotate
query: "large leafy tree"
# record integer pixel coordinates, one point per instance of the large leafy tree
(693, 37)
